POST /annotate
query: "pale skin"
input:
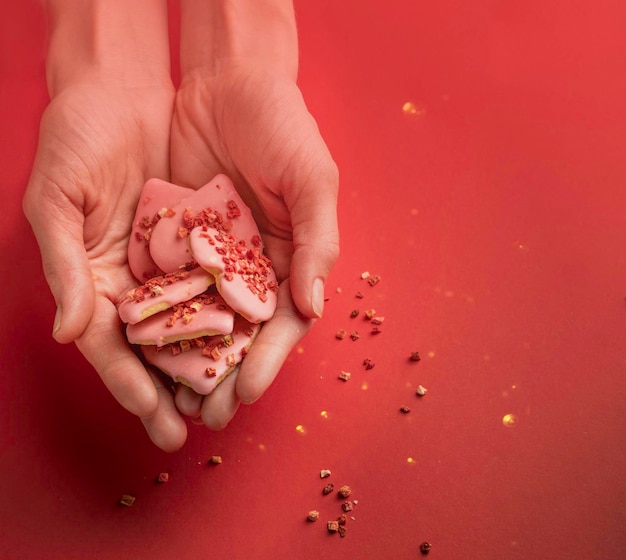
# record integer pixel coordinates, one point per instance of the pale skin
(115, 120)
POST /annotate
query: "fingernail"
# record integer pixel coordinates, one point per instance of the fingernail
(57, 321)
(317, 297)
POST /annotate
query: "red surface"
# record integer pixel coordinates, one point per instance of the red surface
(495, 217)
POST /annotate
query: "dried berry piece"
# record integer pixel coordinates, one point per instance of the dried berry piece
(370, 313)
(127, 500)
(342, 531)
(373, 280)
(328, 489)
(345, 491)
(425, 547)
(415, 357)
(341, 334)
(344, 375)
(215, 460)
(405, 409)
(354, 335)
(163, 477)
(332, 526)
(421, 391)
(342, 519)
(347, 506)
(368, 363)
(354, 313)
(324, 473)
(360, 295)
(313, 515)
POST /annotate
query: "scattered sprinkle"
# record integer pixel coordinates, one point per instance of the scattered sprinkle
(127, 500)
(346, 506)
(313, 515)
(344, 491)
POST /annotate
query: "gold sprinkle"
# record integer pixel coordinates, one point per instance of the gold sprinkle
(412, 110)
(410, 460)
(510, 420)
(364, 386)
(300, 429)
(431, 354)
(324, 414)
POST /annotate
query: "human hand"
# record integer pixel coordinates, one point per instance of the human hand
(253, 126)
(98, 144)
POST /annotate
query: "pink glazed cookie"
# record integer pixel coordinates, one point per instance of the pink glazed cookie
(203, 315)
(201, 363)
(155, 201)
(215, 228)
(162, 292)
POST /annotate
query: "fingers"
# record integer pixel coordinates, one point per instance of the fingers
(104, 345)
(64, 260)
(271, 347)
(220, 406)
(313, 209)
(166, 428)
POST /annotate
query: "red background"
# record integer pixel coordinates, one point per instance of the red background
(494, 214)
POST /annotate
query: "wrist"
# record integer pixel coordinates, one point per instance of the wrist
(114, 42)
(223, 36)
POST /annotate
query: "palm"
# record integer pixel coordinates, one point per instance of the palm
(256, 129)
(97, 147)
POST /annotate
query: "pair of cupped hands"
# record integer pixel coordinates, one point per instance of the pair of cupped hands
(99, 142)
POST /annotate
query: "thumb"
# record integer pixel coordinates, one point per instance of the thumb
(315, 236)
(58, 228)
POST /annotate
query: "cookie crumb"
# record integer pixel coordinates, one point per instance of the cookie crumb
(163, 477)
(365, 275)
(332, 526)
(405, 409)
(346, 506)
(313, 515)
(345, 491)
(421, 391)
(127, 500)
(215, 460)
(344, 375)
(325, 473)
(341, 334)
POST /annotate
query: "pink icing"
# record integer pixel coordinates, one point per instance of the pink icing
(155, 198)
(202, 363)
(204, 315)
(162, 292)
(249, 285)
(214, 227)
